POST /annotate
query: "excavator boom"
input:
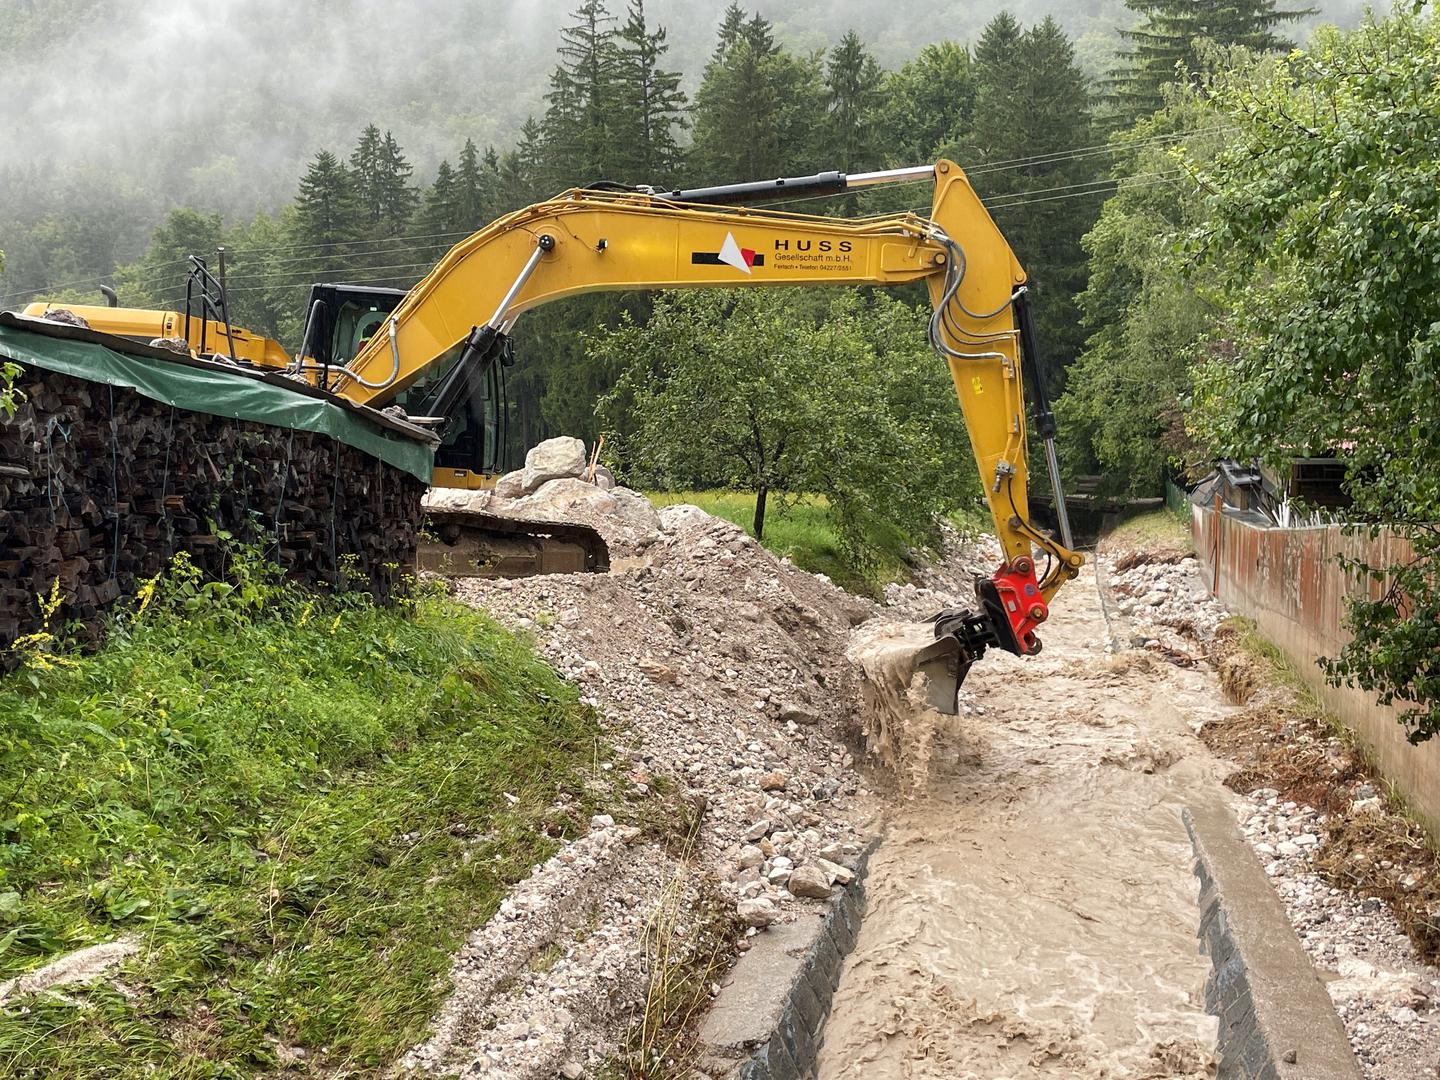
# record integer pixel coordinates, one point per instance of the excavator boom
(589, 240)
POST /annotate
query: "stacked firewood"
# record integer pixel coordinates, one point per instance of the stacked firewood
(100, 487)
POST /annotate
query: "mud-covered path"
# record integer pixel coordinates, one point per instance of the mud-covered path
(1035, 913)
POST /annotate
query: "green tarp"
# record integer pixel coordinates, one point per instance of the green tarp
(212, 389)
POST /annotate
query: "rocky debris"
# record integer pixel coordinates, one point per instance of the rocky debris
(719, 673)
(554, 459)
(548, 981)
(1163, 606)
(69, 318)
(1387, 997)
(949, 582)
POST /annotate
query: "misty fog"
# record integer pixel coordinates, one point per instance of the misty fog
(220, 102)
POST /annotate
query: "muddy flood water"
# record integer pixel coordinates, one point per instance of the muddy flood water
(1033, 912)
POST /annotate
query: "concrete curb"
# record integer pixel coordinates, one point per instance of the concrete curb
(768, 1021)
(1276, 1019)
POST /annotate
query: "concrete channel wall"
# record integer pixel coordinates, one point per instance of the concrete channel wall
(1276, 1019)
(1291, 583)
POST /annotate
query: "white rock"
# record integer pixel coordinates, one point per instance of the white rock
(553, 459)
(635, 510)
(682, 516)
(564, 498)
(511, 485)
(809, 881)
(759, 911)
(456, 499)
(602, 821)
(750, 855)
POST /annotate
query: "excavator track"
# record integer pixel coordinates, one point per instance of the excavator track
(473, 543)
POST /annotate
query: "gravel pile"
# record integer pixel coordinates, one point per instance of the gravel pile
(720, 674)
(1163, 606)
(1388, 999)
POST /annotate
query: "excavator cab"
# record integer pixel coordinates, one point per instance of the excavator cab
(473, 438)
(341, 320)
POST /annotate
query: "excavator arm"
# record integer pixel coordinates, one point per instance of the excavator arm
(594, 240)
(589, 240)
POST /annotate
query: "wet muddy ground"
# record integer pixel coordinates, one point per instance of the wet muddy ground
(1033, 913)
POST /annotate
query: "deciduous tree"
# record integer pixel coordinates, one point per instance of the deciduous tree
(1321, 226)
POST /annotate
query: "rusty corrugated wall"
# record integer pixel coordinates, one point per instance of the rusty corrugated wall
(1291, 583)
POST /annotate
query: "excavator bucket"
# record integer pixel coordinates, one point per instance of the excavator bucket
(944, 663)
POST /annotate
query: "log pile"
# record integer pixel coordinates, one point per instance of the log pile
(100, 487)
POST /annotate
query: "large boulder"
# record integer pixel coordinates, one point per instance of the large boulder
(564, 499)
(456, 499)
(680, 516)
(553, 459)
(511, 485)
(635, 511)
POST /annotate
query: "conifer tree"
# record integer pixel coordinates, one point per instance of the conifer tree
(1163, 44)
(327, 210)
(732, 28)
(364, 169)
(473, 190)
(929, 102)
(852, 105)
(437, 220)
(754, 113)
(1031, 117)
(578, 145)
(649, 103)
(395, 197)
(527, 175)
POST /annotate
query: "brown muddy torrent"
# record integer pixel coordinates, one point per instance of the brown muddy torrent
(1032, 910)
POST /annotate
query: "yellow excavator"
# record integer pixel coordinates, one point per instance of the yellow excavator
(425, 351)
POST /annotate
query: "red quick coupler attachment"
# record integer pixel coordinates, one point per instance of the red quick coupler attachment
(1019, 594)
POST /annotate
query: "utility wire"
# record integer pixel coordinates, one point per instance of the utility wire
(373, 247)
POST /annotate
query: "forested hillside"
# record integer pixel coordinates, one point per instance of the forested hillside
(219, 104)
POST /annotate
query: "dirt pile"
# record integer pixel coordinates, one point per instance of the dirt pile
(720, 672)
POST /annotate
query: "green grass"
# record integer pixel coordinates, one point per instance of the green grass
(1156, 528)
(297, 807)
(803, 529)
